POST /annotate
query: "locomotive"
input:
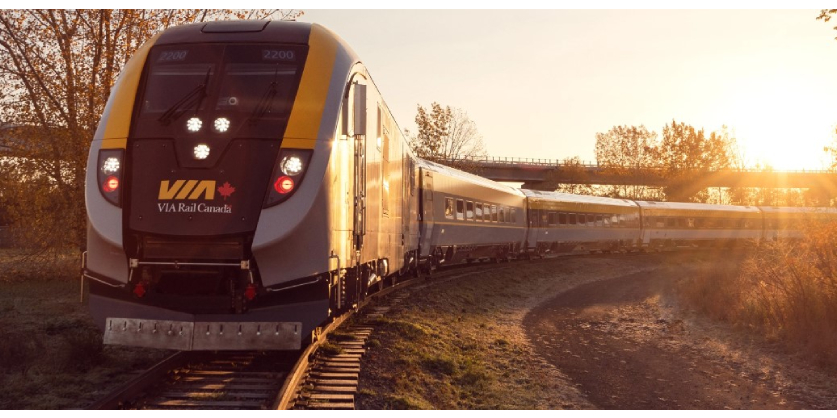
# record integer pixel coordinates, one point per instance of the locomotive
(247, 183)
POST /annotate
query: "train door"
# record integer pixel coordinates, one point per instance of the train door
(426, 213)
(359, 175)
(353, 287)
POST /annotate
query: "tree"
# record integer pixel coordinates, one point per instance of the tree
(573, 178)
(446, 135)
(56, 71)
(684, 150)
(627, 151)
(825, 16)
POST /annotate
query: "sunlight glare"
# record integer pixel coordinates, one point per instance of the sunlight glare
(779, 122)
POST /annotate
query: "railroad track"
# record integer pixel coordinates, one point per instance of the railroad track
(323, 376)
(230, 380)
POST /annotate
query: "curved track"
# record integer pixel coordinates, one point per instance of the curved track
(311, 379)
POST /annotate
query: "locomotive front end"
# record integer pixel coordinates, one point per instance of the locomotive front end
(190, 152)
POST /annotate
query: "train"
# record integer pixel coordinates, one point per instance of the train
(247, 183)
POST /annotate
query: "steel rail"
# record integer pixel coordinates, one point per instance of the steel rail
(139, 384)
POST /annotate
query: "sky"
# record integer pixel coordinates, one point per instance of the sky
(542, 83)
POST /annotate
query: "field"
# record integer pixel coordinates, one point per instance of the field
(584, 333)
(493, 339)
(51, 355)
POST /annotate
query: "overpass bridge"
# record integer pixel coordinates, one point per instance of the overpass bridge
(546, 174)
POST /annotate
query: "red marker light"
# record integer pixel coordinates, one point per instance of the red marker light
(284, 184)
(139, 290)
(111, 184)
(250, 292)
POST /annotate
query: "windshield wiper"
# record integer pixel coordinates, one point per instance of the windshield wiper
(193, 98)
(266, 103)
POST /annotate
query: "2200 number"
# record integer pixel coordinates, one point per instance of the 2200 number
(278, 55)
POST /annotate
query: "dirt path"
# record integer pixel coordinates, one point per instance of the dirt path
(625, 345)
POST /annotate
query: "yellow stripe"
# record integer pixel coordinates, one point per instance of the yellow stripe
(299, 143)
(123, 97)
(114, 143)
(313, 88)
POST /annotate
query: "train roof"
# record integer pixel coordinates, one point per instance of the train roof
(576, 198)
(798, 210)
(675, 206)
(238, 31)
(472, 178)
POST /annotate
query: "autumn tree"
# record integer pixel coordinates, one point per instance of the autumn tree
(57, 68)
(446, 135)
(627, 151)
(570, 176)
(826, 15)
(685, 152)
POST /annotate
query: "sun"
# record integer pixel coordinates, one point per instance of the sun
(780, 121)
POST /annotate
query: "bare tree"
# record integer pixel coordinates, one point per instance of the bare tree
(446, 135)
(57, 68)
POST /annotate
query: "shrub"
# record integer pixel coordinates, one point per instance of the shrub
(786, 290)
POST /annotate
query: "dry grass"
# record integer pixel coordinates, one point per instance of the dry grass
(461, 344)
(785, 291)
(51, 353)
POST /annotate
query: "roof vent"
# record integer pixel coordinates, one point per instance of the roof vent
(235, 26)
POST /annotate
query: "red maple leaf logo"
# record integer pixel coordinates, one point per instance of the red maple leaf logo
(226, 190)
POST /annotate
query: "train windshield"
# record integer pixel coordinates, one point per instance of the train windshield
(225, 89)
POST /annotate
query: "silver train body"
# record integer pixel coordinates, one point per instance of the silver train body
(247, 182)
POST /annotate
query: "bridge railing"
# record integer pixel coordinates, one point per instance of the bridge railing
(550, 162)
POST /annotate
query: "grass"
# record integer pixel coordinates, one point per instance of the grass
(460, 344)
(434, 368)
(785, 291)
(51, 353)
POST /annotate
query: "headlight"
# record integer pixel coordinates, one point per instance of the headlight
(288, 172)
(194, 124)
(201, 151)
(109, 176)
(110, 166)
(222, 124)
(291, 165)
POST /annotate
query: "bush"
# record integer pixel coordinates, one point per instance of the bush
(786, 290)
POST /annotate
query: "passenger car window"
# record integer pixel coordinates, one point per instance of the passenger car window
(469, 211)
(448, 208)
(493, 213)
(460, 209)
(478, 211)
